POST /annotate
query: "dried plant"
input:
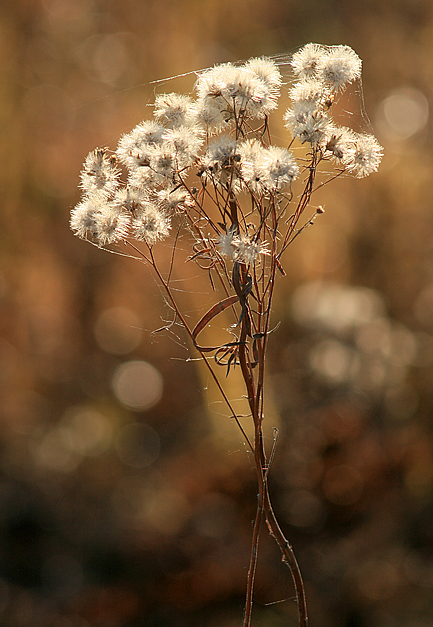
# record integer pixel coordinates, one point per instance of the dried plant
(242, 211)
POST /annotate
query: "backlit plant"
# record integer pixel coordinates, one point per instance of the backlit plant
(207, 165)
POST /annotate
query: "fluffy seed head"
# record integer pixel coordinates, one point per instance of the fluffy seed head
(253, 155)
(247, 250)
(169, 201)
(174, 110)
(104, 220)
(312, 91)
(306, 61)
(338, 142)
(228, 92)
(226, 243)
(185, 142)
(99, 173)
(111, 225)
(136, 148)
(82, 220)
(267, 70)
(340, 66)
(363, 156)
(307, 122)
(220, 162)
(240, 247)
(279, 166)
(150, 225)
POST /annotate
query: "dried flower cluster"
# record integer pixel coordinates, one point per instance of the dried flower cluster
(215, 135)
(240, 207)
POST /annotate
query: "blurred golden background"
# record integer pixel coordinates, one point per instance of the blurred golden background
(126, 496)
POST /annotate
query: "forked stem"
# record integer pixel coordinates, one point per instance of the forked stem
(264, 507)
(255, 401)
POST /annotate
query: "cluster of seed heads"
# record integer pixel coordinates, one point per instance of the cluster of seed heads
(221, 136)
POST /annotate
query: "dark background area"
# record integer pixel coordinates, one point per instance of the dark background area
(126, 493)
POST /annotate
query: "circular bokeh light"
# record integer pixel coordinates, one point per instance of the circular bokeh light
(137, 385)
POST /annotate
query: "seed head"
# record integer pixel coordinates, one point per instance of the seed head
(227, 92)
(363, 156)
(99, 173)
(150, 224)
(340, 66)
(252, 155)
(111, 225)
(279, 168)
(220, 162)
(136, 148)
(174, 110)
(306, 61)
(82, 220)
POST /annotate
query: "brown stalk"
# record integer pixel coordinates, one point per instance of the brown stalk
(255, 400)
(264, 507)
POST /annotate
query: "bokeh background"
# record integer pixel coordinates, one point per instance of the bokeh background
(126, 493)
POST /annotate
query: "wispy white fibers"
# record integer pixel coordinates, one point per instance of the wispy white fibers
(218, 140)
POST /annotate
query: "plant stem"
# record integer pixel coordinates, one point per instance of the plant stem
(255, 400)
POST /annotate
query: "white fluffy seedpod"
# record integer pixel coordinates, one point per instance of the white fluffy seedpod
(82, 221)
(267, 71)
(340, 66)
(338, 142)
(220, 163)
(99, 173)
(307, 122)
(226, 244)
(185, 142)
(105, 221)
(311, 90)
(306, 61)
(174, 110)
(169, 200)
(241, 247)
(363, 156)
(111, 225)
(136, 148)
(252, 154)
(228, 92)
(150, 224)
(279, 168)
(335, 65)
(246, 250)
